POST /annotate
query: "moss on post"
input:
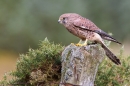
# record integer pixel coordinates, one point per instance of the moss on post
(80, 65)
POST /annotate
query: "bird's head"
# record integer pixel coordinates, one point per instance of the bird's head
(67, 18)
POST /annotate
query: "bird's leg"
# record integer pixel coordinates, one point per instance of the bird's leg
(82, 43)
(79, 44)
(85, 43)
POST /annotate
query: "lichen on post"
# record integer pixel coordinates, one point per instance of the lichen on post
(80, 65)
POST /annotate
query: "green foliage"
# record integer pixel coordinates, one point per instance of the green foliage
(40, 66)
(110, 74)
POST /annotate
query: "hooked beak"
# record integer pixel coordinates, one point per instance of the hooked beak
(59, 21)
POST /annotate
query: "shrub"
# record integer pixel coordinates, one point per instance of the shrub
(110, 74)
(38, 67)
(41, 67)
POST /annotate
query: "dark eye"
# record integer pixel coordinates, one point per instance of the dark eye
(64, 18)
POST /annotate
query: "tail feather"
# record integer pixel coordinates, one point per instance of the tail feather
(105, 36)
(111, 56)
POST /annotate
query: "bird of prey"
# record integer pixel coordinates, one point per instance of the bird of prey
(87, 30)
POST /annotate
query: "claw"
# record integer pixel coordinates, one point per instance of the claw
(81, 43)
(78, 44)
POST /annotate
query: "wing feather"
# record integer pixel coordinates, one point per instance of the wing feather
(86, 24)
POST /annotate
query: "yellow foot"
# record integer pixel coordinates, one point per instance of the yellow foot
(81, 44)
(78, 44)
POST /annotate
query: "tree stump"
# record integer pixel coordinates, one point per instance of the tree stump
(80, 65)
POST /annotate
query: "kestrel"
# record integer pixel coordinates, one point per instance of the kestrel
(87, 30)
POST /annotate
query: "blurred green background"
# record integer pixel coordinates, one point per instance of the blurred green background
(24, 22)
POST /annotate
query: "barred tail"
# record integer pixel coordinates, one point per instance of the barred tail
(110, 55)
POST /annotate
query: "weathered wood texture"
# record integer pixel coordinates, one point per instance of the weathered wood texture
(80, 65)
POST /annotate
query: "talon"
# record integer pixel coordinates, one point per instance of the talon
(82, 43)
(78, 44)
